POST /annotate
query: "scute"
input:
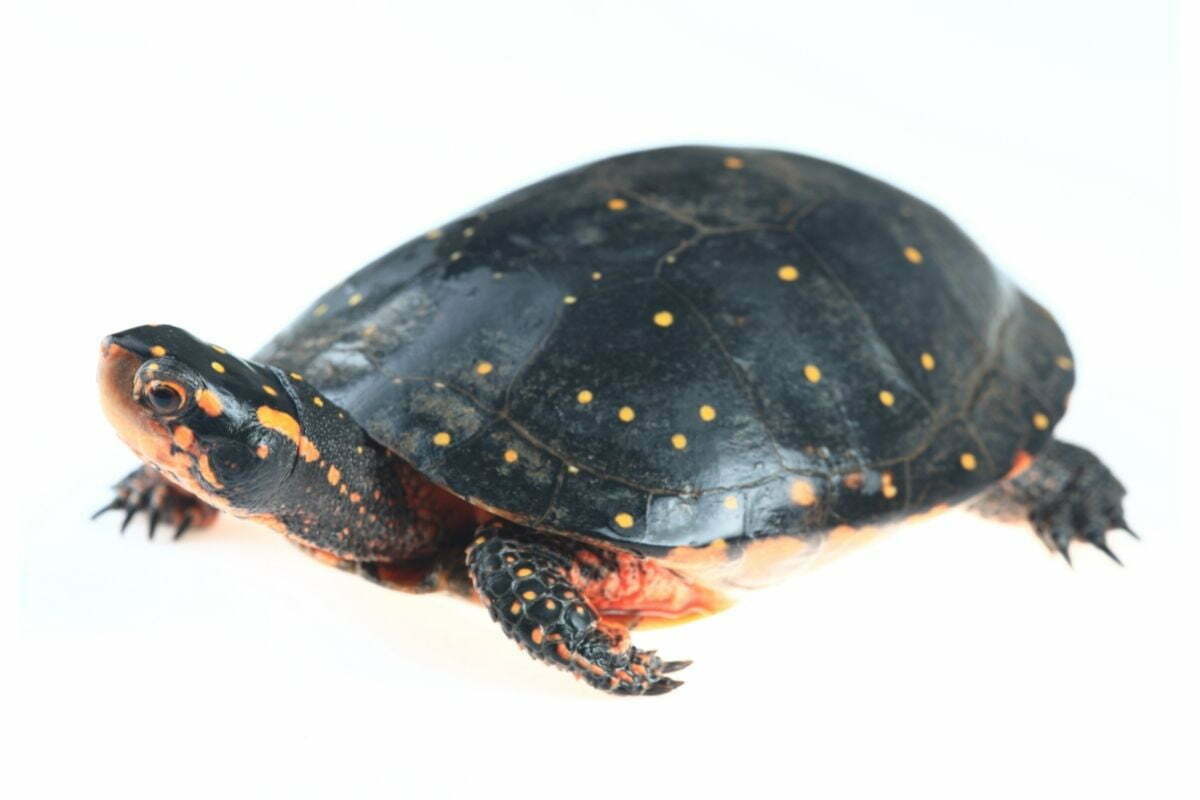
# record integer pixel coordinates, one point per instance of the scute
(856, 357)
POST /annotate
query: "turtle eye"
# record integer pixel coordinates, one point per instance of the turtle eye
(165, 397)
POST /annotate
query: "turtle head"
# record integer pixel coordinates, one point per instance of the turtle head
(196, 412)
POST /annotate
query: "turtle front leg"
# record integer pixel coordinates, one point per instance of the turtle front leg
(145, 489)
(1066, 494)
(531, 586)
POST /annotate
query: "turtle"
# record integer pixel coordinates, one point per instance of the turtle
(622, 395)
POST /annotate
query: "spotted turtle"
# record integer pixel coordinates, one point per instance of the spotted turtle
(617, 395)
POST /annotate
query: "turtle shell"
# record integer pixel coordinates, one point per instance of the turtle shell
(675, 346)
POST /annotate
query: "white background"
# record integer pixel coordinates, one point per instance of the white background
(218, 165)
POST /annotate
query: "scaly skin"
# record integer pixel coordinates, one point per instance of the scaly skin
(525, 582)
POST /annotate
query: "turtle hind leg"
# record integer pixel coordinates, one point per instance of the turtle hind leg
(145, 489)
(530, 587)
(1066, 494)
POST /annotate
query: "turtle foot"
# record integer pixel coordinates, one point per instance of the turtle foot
(146, 490)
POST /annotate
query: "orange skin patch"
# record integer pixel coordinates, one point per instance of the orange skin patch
(209, 403)
(644, 589)
(286, 424)
(1021, 462)
(149, 439)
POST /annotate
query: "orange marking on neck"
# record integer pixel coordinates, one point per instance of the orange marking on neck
(285, 423)
(206, 471)
(334, 475)
(262, 451)
(1021, 462)
(209, 402)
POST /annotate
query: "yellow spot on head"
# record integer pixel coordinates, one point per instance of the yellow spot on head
(928, 362)
(456, 255)
(218, 366)
(510, 456)
(318, 402)
(530, 595)
(597, 276)
(441, 438)
(664, 319)
(802, 493)
(887, 486)
(320, 310)
(270, 391)
(730, 502)
(968, 461)
(812, 372)
(1041, 421)
(787, 273)
(550, 604)
(515, 608)
(355, 299)
(524, 572)
(887, 398)
(617, 204)
(626, 414)
(708, 413)
(624, 520)
(220, 350)
(679, 441)
(262, 451)
(913, 255)
(152, 368)
(183, 436)
(484, 367)
(571, 468)
(1064, 362)
(334, 476)
(570, 299)
(584, 396)
(296, 376)
(468, 233)
(158, 351)
(436, 233)
(733, 162)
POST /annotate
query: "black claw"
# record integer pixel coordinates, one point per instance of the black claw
(153, 522)
(662, 686)
(129, 514)
(183, 526)
(1125, 528)
(675, 666)
(116, 503)
(1102, 545)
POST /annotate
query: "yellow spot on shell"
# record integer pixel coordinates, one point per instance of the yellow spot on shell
(152, 368)
(887, 398)
(617, 204)
(515, 608)
(1041, 421)
(318, 402)
(270, 391)
(436, 233)
(158, 351)
(570, 299)
(887, 486)
(733, 162)
(484, 367)
(219, 349)
(456, 255)
(664, 319)
(218, 366)
(802, 493)
(731, 503)
(441, 438)
(334, 476)
(511, 455)
(320, 310)
(913, 255)
(584, 396)
(812, 372)
(624, 520)
(524, 572)
(530, 595)
(1064, 362)
(968, 461)
(787, 273)
(928, 362)
(626, 414)
(355, 299)
(296, 376)
(597, 276)
(707, 413)
(679, 441)
(571, 468)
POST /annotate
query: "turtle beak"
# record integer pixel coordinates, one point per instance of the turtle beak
(116, 375)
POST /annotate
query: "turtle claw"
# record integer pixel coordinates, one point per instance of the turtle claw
(662, 686)
(146, 490)
(675, 666)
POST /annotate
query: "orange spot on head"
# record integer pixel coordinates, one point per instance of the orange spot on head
(913, 255)
(334, 476)
(209, 402)
(617, 204)
(733, 162)
(538, 635)
(206, 471)
(887, 486)
(262, 451)
(183, 436)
